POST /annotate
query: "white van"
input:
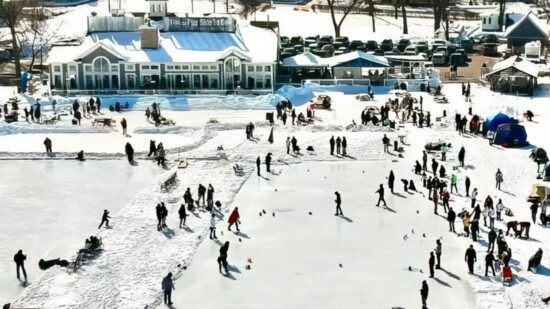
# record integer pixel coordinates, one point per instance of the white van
(411, 50)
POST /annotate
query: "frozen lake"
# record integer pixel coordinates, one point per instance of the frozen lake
(296, 256)
(50, 207)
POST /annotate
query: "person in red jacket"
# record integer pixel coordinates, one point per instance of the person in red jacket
(446, 197)
(234, 219)
(435, 199)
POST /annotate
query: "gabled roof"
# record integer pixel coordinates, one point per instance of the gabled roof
(529, 18)
(232, 51)
(304, 60)
(518, 63)
(105, 47)
(348, 57)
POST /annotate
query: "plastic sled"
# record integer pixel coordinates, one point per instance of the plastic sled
(507, 276)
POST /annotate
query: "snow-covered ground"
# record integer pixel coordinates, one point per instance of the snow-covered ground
(294, 254)
(51, 207)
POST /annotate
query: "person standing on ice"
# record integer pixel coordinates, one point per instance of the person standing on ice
(163, 215)
(183, 215)
(431, 263)
(429, 186)
(470, 257)
(438, 253)
(210, 197)
(332, 143)
(446, 197)
(104, 219)
(258, 163)
(500, 208)
(386, 142)
(444, 150)
(129, 153)
(124, 125)
(48, 144)
(167, 287)
(147, 113)
(222, 259)
(293, 116)
(467, 184)
(251, 125)
(424, 293)
(434, 166)
(391, 180)
(461, 155)
(152, 149)
(268, 162)
(338, 145)
(158, 211)
(454, 180)
(474, 196)
(234, 218)
(451, 216)
(344, 146)
(489, 263)
(202, 193)
(288, 145)
(380, 192)
(338, 202)
(435, 199)
(492, 237)
(534, 208)
(213, 227)
(498, 177)
(19, 259)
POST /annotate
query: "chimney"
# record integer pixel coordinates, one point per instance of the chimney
(149, 37)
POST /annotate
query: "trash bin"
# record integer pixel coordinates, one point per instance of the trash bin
(423, 87)
(444, 113)
(392, 124)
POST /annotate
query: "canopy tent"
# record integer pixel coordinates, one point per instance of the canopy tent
(539, 193)
(492, 122)
(305, 60)
(539, 155)
(510, 135)
(357, 59)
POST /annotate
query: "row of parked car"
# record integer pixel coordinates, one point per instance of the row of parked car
(440, 52)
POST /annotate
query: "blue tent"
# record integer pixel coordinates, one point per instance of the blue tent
(492, 122)
(510, 135)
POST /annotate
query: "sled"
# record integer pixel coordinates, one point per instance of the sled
(507, 276)
(183, 163)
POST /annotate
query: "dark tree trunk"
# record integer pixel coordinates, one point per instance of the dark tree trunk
(404, 13)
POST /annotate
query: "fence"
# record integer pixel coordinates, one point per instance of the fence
(114, 24)
(453, 15)
(338, 82)
(90, 92)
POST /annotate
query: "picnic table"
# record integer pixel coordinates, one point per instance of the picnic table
(110, 122)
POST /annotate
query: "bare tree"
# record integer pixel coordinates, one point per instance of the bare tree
(249, 7)
(404, 14)
(347, 9)
(37, 35)
(11, 13)
(371, 13)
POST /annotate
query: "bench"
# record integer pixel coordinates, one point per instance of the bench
(110, 122)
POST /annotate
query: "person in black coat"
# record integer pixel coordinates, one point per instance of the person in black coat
(424, 293)
(338, 202)
(164, 214)
(258, 163)
(492, 238)
(19, 260)
(391, 180)
(293, 116)
(489, 263)
(344, 146)
(442, 172)
(451, 216)
(183, 215)
(332, 143)
(470, 258)
(105, 219)
(468, 183)
(434, 166)
(461, 155)
(130, 153)
(152, 149)
(98, 104)
(380, 192)
(222, 259)
(158, 211)
(268, 162)
(424, 161)
(124, 125)
(202, 194)
(431, 263)
(210, 197)
(534, 208)
(338, 145)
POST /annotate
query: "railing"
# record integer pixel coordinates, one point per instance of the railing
(378, 11)
(86, 92)
(200, 24)
(337, 82)
(113, 24)
(412, 84)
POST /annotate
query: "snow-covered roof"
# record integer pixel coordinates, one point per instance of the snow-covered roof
(347, 57)
(304, 60)
(529, 17)
(249, 43)
(512, 8)
(520, 64)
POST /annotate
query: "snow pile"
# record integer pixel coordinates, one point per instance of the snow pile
(297, 95)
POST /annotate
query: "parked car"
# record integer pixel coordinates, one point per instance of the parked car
(310, 40)
(439, 59)
(290, 50)
(296, 40)
(371, 45)
(386, 45)
(299, 48)
(326, 39)
(343, 39)
(411, 50)
(490, 38)
(354, 44)
(403, 43)
(337, 45)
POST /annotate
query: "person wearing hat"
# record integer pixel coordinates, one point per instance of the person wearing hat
(167, 287)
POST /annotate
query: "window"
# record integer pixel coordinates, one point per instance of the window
(57, 82)
(489, 20)
(145, 67)
(87, 68)
(114, 79)
(154, 67)
(259, 68)
(214, 81)
(101, 65)
(205, 81)
(131, 81)
(267, 68)
(213, 67)
(250, 68)
(185, 67)
(196, 68)
(114, 68)
(197, 81)
(204, 68)
(72, 69)
(170, 67)
(89, 82)
(57, 68)
(130, 67)
(484, 20)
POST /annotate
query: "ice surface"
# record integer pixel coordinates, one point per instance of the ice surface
(50, 207)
